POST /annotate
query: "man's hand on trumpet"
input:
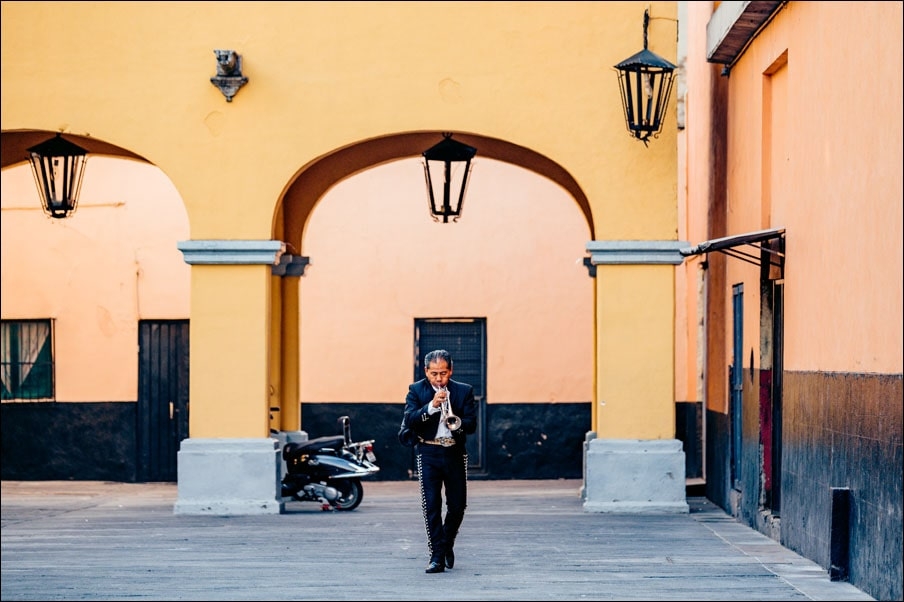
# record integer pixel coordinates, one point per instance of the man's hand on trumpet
(439, 398)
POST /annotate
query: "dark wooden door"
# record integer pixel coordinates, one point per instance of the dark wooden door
(465, 339)
(736, 377)
(162, 417)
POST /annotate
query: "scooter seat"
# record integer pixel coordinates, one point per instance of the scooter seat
(293, 449)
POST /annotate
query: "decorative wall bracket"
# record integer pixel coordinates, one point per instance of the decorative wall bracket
(229, 76)
(290, 265)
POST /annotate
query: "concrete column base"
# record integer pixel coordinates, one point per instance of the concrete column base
(229, 477)
(634, 476)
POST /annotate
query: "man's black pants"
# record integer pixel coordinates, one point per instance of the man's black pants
(442, 467)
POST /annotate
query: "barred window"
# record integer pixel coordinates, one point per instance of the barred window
(26, 359)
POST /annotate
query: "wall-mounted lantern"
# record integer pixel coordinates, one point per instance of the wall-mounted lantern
(645, 80)
(447, 165)
(58, 167)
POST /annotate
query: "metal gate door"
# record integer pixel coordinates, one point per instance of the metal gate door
(465, 339)
(162, 421)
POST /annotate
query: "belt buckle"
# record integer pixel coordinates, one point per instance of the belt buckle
(446, 441)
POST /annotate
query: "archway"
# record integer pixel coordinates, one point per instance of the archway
(378, 263)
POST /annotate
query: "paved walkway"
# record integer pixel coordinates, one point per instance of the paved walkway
(521, 540)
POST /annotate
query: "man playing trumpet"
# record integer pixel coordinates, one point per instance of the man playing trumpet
(441, 412)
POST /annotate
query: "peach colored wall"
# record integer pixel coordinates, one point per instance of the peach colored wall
(96, 273)
(832, 177)
(378, 261)
(842, 199)
(515, 257)
(694, 170)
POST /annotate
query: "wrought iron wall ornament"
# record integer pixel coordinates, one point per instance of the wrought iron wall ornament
(645, 80)
(229, 76)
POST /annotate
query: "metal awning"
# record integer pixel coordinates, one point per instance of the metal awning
(730, 246)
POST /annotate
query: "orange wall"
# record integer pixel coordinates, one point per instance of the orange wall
(831, 177)
(837, 175)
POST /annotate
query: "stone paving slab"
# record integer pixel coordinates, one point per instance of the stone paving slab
(521, 540)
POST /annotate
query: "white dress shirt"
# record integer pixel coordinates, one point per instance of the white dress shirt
(443, 430)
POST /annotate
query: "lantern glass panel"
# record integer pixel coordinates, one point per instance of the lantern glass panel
(447, 181)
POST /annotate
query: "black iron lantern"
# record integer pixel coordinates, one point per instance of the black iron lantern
(645, 80)
(447, 165)
(58, 167)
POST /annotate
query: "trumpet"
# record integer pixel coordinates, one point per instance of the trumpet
(453, 422)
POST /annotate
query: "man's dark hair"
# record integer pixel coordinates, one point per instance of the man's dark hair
(437, 355)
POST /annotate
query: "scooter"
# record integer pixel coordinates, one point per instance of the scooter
(329, 469)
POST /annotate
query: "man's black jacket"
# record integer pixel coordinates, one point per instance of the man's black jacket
(424, 425)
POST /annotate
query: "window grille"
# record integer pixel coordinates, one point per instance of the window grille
(26, 359)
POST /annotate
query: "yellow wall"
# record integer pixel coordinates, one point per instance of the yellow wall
(635, 397)
(325, 76)
(231, 402)
(536, 63)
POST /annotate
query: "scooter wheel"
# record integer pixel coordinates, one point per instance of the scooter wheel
(351, 492)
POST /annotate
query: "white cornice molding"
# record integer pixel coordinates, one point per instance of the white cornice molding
(606, 252)
(231, 252)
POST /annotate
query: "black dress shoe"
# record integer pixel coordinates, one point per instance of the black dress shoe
(435, 566)
(450, 558)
